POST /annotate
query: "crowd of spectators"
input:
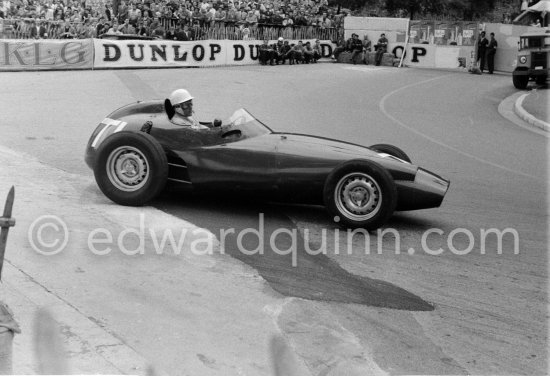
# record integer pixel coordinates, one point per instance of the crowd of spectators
(170, 19)
(282, 51)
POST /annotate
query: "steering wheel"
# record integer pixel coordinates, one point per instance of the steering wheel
(234, 132)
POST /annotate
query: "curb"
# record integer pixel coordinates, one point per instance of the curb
(526, 116)
(88, 344)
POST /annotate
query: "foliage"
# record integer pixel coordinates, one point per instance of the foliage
(457, 9)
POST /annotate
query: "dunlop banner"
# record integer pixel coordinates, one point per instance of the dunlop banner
(158, 53)
(25, 54)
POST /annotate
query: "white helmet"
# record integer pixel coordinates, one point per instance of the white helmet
(281, 39)
(179, 96)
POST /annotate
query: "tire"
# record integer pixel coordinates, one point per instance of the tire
(541, 80)
(520, 81)
(357, 181)
(131, 168)
(391, 150)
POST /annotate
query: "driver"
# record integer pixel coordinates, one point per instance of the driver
(179, 108)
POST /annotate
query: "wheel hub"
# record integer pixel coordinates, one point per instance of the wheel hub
(127, 168)
(130, 168)
(359, 195)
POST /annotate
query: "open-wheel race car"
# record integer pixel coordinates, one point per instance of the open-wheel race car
(136, 151)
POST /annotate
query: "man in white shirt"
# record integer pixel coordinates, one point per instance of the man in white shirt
(179, 108)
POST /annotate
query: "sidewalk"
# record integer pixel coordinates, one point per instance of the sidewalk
(184, 314)
(532, 107)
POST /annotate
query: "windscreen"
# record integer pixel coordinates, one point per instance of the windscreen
(247, 124)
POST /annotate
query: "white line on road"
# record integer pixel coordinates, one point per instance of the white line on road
(382, 106)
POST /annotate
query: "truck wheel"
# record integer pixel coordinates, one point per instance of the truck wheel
(520, 81)
(541, 80)
(131, 168)
(360, 194)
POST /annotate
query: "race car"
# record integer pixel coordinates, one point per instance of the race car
(136, 151)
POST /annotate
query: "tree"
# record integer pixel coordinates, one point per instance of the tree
(466, 8)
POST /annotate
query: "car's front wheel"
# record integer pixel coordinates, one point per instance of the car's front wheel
(360, 194)
(131, 168)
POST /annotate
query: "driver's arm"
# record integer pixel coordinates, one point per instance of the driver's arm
(215, 123)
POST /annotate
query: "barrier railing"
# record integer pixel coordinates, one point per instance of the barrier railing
(21, 29)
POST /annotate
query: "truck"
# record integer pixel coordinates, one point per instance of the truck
(532, 60)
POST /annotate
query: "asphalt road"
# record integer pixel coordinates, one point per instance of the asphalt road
(489, 310)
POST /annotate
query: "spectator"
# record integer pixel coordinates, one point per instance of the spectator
(115, 5)
(114, 29)
(141, 29)
(183, 34)
(277, 18)
(108, 13)
(38, 30)
(340, 47)
(367, 44)
(231, 17)
(220, 15)
(127, 28)
(246, 33)
(317, 50)
(154, 24)
(122, 12)
(308, 52)
(279, 51)
(251, 19)
(67, 31)
(297, 53)
(267, 53)
(100, 27)
(324, 22)
(286, 52)
(482, 43)
(5, 6)
(287, 21)
(158, 32)
(134, 15)
(356, 47)
(381, 48)
(210, 16)
(491, 51)
(172, 34)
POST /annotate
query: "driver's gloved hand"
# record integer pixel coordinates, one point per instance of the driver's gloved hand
(217, 123)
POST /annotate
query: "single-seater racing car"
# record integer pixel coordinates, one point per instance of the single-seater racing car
(136, 151)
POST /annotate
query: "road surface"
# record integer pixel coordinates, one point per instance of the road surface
(212, 315)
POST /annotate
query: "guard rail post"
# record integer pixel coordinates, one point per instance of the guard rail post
(8, 326)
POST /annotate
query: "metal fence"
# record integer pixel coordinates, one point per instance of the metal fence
(21, 29)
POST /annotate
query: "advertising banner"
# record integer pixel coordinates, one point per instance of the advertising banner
(432, 56)
(157, 53)
(165, 53)
(26, 54)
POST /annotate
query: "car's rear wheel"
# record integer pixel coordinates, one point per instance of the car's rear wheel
(131, 168)
(520, 81)
(360, 194)
(391, 150)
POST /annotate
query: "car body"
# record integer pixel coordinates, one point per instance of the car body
(246, 158)
(533, 59)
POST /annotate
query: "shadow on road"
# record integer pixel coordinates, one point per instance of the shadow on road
(299, 273)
